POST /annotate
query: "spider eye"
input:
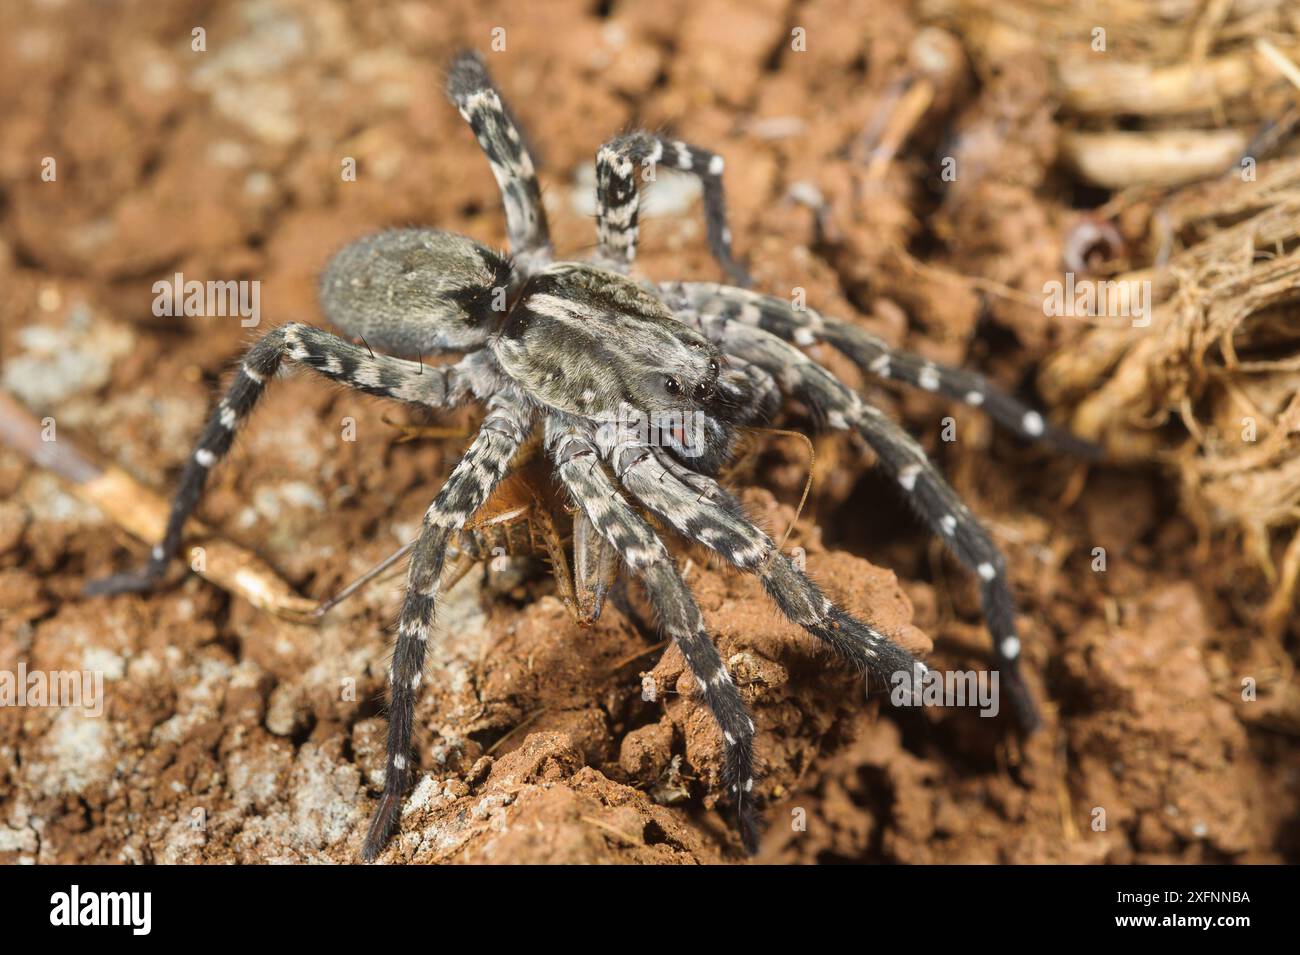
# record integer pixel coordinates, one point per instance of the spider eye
(713, 368)
(672, 386)
(700, 392)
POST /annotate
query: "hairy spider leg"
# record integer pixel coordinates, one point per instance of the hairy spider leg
(699, 509)
(471, 91)
(804, 326)
(619, 164)
(471, 482)
(582, 591)
(923, 487)
(578, 464)
(325, 354)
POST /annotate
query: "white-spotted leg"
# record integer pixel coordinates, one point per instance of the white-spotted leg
(471, 90)
(581, 472)
(921, 484)
(470, 484)
(326, 354)
(619, 164)
(875, 356)
(699, 509)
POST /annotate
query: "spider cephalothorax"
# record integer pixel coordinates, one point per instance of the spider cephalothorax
(588, 342)
(635, 391)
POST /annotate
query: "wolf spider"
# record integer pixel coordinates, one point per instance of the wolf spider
(611, 373)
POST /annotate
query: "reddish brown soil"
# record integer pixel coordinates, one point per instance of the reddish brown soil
(230, 735)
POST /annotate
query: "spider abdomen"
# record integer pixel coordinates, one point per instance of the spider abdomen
(410, 292)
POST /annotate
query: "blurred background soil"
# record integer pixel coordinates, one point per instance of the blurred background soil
(230, 735)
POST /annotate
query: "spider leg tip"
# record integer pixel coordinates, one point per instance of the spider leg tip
(128, 582)
(750, 834)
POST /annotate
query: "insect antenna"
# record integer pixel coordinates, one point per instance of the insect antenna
(807, 487)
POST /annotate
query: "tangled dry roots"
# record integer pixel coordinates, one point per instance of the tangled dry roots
(1212, 385)
(1161, 114)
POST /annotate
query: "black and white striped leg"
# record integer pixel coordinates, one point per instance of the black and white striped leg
(804, 326)
(472, 92)
(621, 161)
(699, 509)
(922, 485)
(467, 489)
(582, 473)
(324, 353)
